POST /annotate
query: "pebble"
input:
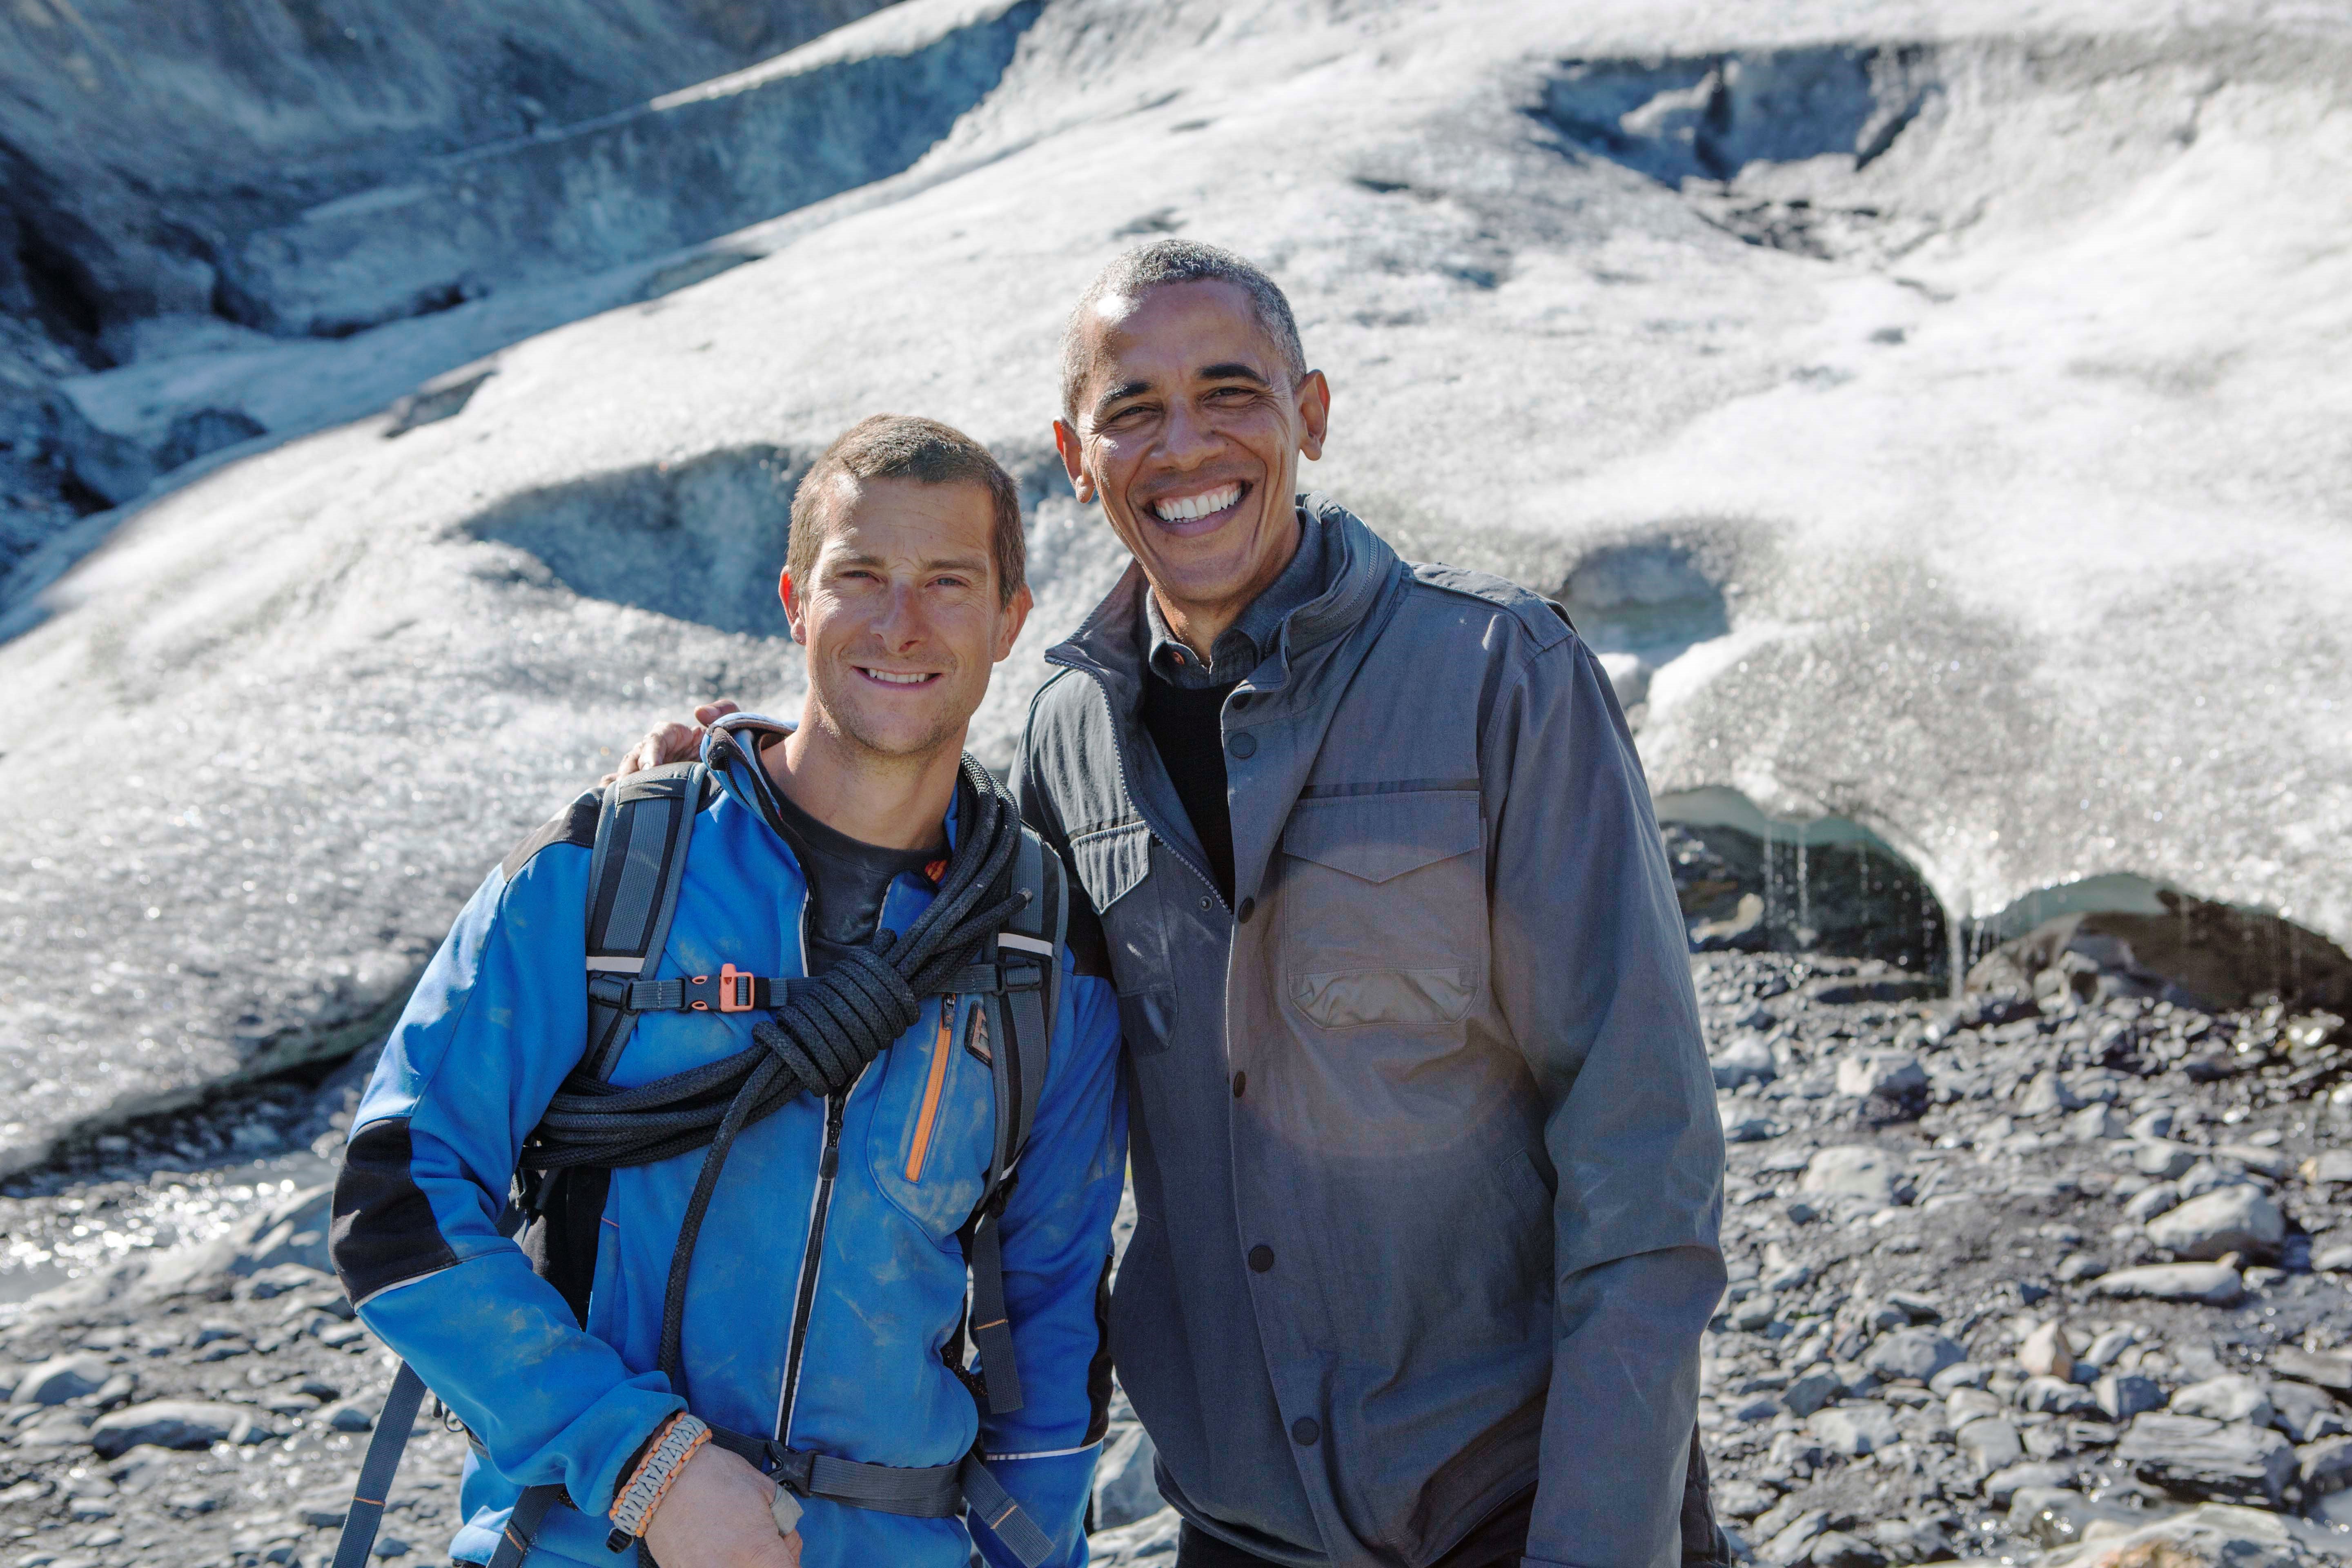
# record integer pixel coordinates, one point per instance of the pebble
(62, 1378)
(1918, 1354)
(1861, 1426)
(2161, 1158)
(1992, 1444)
(2233, 1396)
(2212, 1284)
(2196, 1457)
(2305, 1413)
(2122, 1395)
(2242, 1219)
(175, 1424)
(2044, 1352)
(1890, 1074)
(1859, 1172)
(1746, 1059)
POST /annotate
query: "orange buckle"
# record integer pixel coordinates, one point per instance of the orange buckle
(734, 990)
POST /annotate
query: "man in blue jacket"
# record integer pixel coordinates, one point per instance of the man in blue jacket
(824, 1301)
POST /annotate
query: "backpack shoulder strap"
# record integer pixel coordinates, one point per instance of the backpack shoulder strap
(1020, 1015)
(643, 828)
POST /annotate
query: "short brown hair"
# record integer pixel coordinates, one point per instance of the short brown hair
(903, 446)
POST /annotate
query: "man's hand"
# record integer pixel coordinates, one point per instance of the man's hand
(671, 743)
(720, 1514)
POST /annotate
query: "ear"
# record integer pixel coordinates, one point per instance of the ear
(1074, 463)
(1016, 616)
(1314, 414)
(795, 613)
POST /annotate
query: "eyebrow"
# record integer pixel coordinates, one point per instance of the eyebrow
(936, 564)
(1223, 370)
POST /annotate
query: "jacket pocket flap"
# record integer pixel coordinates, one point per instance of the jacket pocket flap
(1111, 861)
(1380, 836)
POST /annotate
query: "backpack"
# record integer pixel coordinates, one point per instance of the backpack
(642, 825)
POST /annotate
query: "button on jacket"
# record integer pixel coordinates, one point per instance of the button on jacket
(1427, 1167)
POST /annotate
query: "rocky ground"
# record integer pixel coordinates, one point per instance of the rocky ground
(2009, 1281)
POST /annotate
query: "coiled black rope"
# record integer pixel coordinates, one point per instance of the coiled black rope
(817, 1042)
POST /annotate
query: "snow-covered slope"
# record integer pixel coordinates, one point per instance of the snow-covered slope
(1957, 445)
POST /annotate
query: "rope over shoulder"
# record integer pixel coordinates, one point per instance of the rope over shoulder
(823, 1036)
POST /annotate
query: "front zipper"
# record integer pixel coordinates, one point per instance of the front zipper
(811, 1260)
(919, 1152)
(1119, 755)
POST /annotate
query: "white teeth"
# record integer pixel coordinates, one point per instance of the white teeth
(889, 678)
(1186, 508)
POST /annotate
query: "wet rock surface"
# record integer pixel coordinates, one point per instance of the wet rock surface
(1962, 1332)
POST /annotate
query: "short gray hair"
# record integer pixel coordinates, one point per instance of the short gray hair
(1168, 261)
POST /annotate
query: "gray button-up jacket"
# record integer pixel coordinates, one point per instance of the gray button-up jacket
(1427, 1166)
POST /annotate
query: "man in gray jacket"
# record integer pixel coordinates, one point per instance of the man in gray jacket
(1427, 1166)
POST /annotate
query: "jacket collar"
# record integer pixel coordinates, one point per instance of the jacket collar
(1110, 643)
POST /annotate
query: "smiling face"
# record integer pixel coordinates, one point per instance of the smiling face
(901, 615)
(1190, 428)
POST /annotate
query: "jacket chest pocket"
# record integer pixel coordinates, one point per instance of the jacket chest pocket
(935, 1121)
(1383, 916)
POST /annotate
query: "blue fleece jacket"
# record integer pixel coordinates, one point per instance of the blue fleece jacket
(500, 1017)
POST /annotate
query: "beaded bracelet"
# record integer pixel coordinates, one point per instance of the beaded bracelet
(665, 1461)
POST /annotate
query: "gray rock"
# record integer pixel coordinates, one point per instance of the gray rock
(1891, 1075)
(2122, 1395)
(2095, 1124)
(1125, 1490)
(1960, 1375)
(61, 1378)
(2329, 1167)
(1151, 1541)
(1794, 1542)
(1867, 1176)
(1912, 1540)
(1809, 1391)
(2161, 1157)
(2152, 1201)
(2240, 1219)
(2207, 1177)
(1992, 1445)
(1746, 1059)
(2325, 1369)
(2046, 1096)
(2107, 1346)
(2000, 1489)
(1915, 1353)
(2056, 1396)
(2260, 1159)
(350, 1415)
(2056, 1516)
(2305, 1413)
(175, 1424)
(2155, 1124)
(2191, 1456)
(1853, 1429)
(1836, 1549)
(2212, 1284)
(2233, 1396)
(2324, 1466)
(1963, 1405)
(2333, 1259)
